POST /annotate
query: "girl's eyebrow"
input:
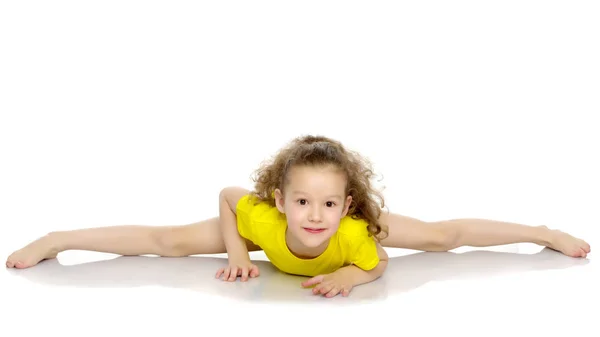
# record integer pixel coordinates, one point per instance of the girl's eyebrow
(333, 196)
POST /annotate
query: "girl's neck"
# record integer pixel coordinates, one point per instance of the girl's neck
(301, 251)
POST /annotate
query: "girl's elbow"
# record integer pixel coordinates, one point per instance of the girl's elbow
(381, 268)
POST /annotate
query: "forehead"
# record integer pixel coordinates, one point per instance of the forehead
(316, 181)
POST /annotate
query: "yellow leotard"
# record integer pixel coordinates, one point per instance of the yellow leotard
(266, 226)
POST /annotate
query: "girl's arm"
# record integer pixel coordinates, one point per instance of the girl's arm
(235, 245)
(410, 233)
(344, 279)
(358, 276)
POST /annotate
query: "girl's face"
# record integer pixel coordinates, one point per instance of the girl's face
(314, 203)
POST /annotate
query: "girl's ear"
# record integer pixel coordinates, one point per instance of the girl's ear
(347, 205)
(279, 200)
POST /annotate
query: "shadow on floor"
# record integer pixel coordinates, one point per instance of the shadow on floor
(197, 273)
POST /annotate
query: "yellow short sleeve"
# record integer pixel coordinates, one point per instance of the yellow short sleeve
(364, 254)
(244, 224)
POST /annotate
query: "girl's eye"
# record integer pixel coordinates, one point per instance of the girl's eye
(329, 203)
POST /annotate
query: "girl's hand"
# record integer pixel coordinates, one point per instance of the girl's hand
(238, 267)
(330, 284)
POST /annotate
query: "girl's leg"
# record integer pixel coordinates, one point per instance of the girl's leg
(202, 237)
(410, 233)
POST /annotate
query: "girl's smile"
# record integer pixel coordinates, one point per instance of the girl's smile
(314, 230)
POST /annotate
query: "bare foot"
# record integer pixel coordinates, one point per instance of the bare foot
(569, 245)
(30, 255)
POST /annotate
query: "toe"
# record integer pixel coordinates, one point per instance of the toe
(10, 261)
(576, 252)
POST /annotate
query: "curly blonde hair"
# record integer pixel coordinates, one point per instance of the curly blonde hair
(309, 150)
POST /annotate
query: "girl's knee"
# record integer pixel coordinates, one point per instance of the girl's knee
(168, 241)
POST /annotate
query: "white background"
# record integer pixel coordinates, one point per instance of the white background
(139, 112)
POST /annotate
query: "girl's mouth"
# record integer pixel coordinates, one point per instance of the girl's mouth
(314, 230)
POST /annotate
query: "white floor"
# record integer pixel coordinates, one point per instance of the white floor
(470, 292)
(140, 112)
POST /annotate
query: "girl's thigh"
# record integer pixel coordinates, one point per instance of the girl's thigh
(203, 237)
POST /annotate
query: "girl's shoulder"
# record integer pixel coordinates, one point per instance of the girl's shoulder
(353, 228)
(257, 210)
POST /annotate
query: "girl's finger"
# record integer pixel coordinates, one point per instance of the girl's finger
(326, 288)
(244, 274)
(233, 274)
(334, 291)
(346, 291)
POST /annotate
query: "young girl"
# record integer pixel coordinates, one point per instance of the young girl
(313, 212)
